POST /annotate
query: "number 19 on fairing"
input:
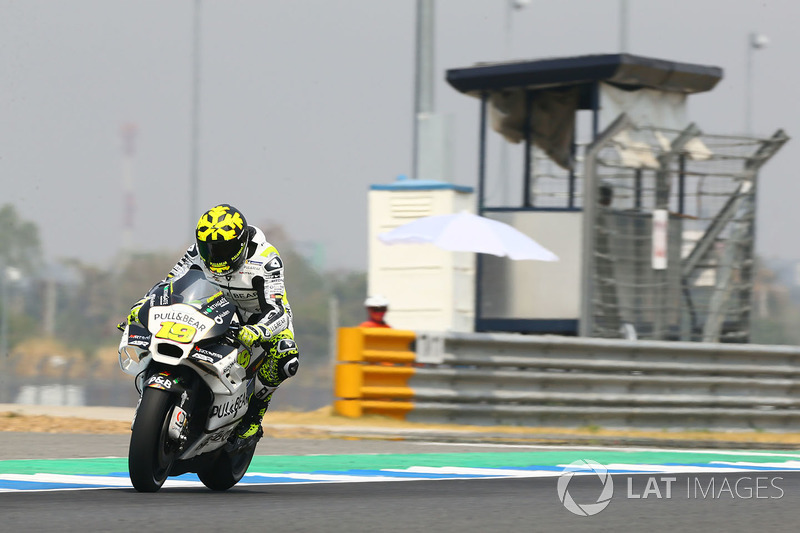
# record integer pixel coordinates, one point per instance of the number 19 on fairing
(177, 332)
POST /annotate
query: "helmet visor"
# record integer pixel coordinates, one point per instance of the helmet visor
(222, 257)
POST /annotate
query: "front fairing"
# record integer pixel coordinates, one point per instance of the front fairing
(138, 336)
(179, 315)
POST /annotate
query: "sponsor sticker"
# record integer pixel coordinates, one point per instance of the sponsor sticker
(159, 382)
(230, 407)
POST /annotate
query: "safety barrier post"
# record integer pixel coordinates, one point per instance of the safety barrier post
(374, 366)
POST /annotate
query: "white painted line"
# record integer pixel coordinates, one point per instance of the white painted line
(105, 481)
(487, 445)
(669, 469)
(787, 464)
(325, 477)
(615, 449)
(68, 479)
(472, 471)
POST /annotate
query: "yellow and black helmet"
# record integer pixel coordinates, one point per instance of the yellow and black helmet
(222, 238)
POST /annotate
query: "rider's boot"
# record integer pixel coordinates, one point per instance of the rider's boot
(249, 431)
(250, 425)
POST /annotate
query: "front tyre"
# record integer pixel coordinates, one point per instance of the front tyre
(227, 469)
(151, 453)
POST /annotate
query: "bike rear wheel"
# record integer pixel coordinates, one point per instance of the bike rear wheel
(151, 453)
(228, 469)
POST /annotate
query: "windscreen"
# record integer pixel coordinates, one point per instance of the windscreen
(193, 288)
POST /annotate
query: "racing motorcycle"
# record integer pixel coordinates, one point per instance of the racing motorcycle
(194, 379)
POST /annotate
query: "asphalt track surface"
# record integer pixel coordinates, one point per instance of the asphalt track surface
(529, 504)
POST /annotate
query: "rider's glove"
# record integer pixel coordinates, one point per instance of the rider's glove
(250, 335)
(135, 308)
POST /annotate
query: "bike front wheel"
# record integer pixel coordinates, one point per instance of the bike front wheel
(151, 453)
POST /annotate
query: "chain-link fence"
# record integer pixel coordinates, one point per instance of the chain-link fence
(670, 224)
(668, 229)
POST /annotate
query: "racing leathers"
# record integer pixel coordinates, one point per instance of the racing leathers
(258, 291)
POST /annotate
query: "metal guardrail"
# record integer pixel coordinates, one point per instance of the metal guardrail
(552, 381)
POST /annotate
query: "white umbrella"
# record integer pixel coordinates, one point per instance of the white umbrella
(465, 232)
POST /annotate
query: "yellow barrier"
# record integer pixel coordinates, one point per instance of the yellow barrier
(373, 372)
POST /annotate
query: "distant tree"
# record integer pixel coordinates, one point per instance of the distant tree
(141, 271)
(85, 308)
(21, 326)
(90, 309)
(20, 246)
(100, 298)
(350, 289)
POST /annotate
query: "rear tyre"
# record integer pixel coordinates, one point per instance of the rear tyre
(228, 469)
(151, 453)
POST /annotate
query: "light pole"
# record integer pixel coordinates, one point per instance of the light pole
(755, 41)
(623, 26)
(423, 86)
(511, 6)
(194, 165)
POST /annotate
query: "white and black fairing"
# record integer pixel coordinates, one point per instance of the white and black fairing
(208, 373)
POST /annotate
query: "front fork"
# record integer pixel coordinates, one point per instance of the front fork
(184, 386)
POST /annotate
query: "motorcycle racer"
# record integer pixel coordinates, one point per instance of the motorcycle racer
(250, 273)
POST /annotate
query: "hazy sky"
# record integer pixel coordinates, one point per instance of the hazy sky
(305, 103)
